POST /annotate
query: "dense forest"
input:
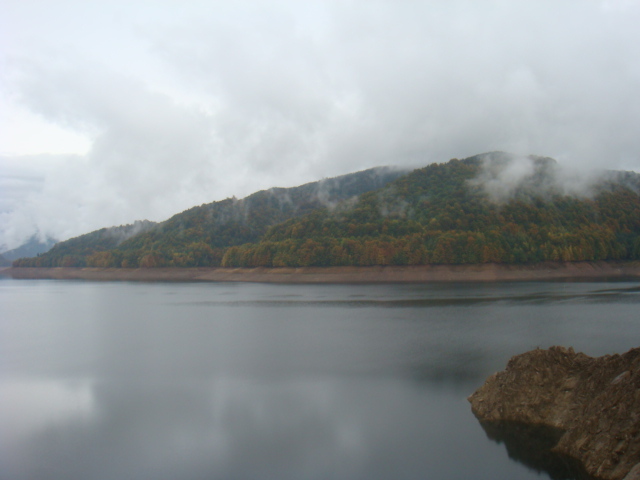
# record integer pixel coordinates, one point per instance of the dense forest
(459, 212)
(201, 235)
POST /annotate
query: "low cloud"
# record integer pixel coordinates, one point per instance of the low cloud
(191, 107)
(504, 176)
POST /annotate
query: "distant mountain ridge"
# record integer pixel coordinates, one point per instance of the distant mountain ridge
(489, 208)
(199, 236)
(32, 247)
(75, 251)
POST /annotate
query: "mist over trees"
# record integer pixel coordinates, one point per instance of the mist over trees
(493, 207)
(200, 235)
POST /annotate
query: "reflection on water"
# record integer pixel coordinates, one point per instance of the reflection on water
(44, 402)
(350, 428)
(218, 381)
(532, 446)
(459, 295)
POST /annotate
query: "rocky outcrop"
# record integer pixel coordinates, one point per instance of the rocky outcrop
(593, 404)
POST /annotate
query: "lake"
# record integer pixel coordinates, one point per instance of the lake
(260, 381)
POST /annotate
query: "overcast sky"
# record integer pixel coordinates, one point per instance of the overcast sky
(112, 111)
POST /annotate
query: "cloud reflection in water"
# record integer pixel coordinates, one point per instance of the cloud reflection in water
(238, 428)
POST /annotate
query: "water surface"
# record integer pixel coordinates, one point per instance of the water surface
(222, 381)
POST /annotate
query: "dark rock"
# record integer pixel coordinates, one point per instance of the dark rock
(593, 402)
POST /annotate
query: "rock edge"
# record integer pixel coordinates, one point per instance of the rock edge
(595, 402)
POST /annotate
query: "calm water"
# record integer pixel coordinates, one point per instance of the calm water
(243, 381)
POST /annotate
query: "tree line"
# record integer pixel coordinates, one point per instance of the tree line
(433, 215)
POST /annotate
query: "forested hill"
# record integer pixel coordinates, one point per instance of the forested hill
(488, 208)
(493, 207)
(200, 236)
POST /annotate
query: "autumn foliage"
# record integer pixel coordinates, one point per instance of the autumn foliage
(440, 214)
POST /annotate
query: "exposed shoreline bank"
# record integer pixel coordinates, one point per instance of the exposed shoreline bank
(376, 274)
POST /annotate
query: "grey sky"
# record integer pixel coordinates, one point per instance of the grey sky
(149, 108)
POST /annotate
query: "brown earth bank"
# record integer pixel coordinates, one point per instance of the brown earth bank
(586, 410)
(379, 274)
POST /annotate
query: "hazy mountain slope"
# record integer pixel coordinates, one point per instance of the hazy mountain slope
(488, 208)
(32, 247)
(70, 252)
(200, 235)
(494, 207)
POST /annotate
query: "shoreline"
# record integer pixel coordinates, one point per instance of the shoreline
(601, 270)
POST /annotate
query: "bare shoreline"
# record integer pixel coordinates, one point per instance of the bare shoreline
(377, 274)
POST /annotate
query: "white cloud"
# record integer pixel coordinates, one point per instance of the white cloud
(189, 105)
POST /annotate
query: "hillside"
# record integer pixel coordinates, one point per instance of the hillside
(32, 247)
(463, 212)
(75, 251)
(490, 208)
(200, 236)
